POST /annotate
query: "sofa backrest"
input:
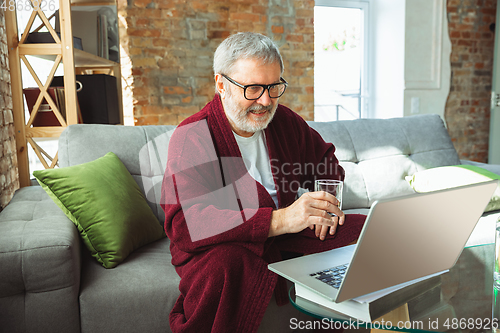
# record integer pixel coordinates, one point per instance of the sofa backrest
(142, 149)
(376, 154)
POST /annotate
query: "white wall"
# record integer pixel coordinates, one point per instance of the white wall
(387, 58)
(410, 58)
(427, 57)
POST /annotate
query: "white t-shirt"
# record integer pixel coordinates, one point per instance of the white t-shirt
(256, 158)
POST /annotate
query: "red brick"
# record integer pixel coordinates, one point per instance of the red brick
(176, 90)
(161, 42)
(147, 120)
(277, 29)
(137, 71)
(149, 110)
(139, 92)
(464, 27)
(199, 5)
(295, 38)
(149, 52)
(489, 11)
(305, 13)
(143, 12)
(465, 42)
(486, 35)
(217, 34)
(143, 32)
(261, 10)
(244, 17)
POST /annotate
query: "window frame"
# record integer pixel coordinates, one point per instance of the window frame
(364, 5)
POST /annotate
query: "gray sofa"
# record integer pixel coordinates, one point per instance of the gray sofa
(49, 282)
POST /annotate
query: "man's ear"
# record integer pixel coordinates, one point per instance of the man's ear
(219, 85)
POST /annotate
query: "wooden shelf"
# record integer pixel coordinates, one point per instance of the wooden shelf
(73, 61)
(81, 58)
(85, 59)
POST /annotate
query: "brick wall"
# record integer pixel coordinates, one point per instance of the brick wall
(171, 45)
(9, 179)
(467, 110)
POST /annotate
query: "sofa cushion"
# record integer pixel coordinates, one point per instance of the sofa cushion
(136, 296)
(377, 154)
(453, 176)
(105, 203)
(39, 265)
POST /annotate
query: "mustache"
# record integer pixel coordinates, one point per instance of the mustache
(259, 107)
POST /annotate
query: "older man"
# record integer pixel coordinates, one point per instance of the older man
(230, 193)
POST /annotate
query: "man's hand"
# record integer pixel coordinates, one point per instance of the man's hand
(310, 210)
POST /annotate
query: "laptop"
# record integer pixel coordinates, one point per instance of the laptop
(403, 239)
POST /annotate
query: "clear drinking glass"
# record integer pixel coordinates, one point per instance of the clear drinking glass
(334, 187)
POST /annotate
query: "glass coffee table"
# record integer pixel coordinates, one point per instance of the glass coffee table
(462, 302)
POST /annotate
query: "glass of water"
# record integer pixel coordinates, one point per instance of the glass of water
(334, 187)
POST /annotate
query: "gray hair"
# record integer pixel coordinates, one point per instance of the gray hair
(245, 45)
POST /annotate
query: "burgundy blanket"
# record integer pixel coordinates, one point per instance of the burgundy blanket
(218, 217)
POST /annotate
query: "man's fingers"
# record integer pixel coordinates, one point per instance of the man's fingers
(323, 230)
(330, 204)
(334, 228)
(324, 196)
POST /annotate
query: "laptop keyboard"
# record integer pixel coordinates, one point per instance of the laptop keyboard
(331, 276)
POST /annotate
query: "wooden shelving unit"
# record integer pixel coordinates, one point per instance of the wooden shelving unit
(74, 61)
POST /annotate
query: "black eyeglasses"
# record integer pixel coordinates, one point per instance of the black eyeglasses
(255, 91)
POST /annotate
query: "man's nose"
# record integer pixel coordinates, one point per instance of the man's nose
(265, 99)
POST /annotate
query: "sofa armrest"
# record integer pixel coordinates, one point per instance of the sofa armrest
(495, 168)
(40, 266)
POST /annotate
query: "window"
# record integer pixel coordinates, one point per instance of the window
(340, 59)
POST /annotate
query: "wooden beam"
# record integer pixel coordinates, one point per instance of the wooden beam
(40, 49)
(17, 98)
(44, 131)
(68, 62)
(44, 92)
(38, 153)
(43, 25)
(55, 161)
(26, 32)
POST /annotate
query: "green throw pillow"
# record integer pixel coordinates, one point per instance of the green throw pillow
(107, 206)
(452, 176)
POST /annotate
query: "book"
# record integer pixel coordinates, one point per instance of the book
(45, 115)
(367, 309)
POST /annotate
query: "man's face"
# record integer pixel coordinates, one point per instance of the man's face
(247, 117)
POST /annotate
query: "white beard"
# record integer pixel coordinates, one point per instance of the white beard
(241, 119)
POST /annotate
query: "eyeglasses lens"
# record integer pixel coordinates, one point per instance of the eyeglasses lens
(254, 92)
